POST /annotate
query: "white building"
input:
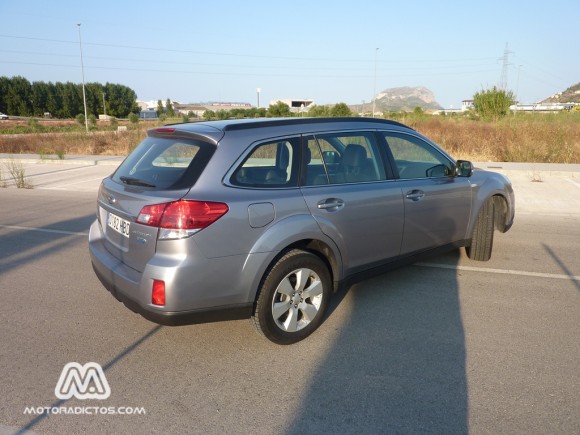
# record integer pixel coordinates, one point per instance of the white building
(296, 105)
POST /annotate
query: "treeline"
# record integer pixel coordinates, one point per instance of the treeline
(19, 97)
(280, 109)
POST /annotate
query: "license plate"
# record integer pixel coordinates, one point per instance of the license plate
(118, 224)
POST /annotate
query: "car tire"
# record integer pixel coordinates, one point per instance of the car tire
(482, 237)
(293, 297)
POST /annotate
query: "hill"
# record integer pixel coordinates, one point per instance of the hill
(406, 98)
(570, 95)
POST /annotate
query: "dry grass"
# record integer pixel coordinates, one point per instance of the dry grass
(535, 138)
(71, 139)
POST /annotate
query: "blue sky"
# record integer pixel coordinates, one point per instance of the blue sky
(192, 51)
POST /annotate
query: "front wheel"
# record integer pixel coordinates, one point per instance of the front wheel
(482, 237)
(293, 297)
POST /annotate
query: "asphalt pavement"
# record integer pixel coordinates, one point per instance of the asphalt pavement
(447, 345)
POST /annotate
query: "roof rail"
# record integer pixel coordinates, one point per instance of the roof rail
(263, 122)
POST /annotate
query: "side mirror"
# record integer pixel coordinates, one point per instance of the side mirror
(464, 168)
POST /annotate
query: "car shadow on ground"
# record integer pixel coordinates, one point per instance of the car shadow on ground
(21, 245)
(398, 364)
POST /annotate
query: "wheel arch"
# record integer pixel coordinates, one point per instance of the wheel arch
(500, 209)
(297, 232)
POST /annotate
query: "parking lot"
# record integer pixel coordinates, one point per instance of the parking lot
(444, 346)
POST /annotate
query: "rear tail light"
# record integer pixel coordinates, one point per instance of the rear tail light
(181, 218)
(158, 292)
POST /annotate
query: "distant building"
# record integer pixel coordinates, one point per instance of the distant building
(148, 114)
(542, 107)
(296, 105)
(145, 105)
(188, 109)
(466, 105)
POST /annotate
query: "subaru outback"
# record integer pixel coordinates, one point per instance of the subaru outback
(265, 219)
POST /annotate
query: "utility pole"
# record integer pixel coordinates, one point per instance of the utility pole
(375, 85)
(83, 74)
(503, 82)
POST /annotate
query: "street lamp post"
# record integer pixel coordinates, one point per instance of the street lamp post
(83, 75)
(375, 85)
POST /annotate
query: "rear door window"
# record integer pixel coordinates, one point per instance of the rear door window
(270, 164)
(164, 164)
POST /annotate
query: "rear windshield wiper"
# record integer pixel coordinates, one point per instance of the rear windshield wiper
(136, 182)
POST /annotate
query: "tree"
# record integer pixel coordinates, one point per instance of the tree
(121, 100)
(160, 109)
(493, 104)
(19, 98)
(340, 109)
(169, 108)
(278, 110)
(319, 111)
(63, 100)
(208, 115)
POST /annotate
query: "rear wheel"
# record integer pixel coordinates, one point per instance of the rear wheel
(293, 297)
(482, 237)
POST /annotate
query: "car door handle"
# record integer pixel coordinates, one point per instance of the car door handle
(415, 195)
(330, 204)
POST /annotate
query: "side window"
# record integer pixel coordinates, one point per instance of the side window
(343, 158)
(271, 164)
(416, 158)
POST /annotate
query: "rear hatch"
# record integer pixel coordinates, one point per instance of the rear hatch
(160, 170)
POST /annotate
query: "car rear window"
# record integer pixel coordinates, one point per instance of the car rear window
(164, 164)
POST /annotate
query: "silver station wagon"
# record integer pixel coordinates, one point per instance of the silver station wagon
(265, 219)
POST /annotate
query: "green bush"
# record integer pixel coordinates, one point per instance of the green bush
(80, 118)
(133, 118)
(493, 104)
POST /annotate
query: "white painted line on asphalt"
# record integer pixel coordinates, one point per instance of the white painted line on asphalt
(63, 186)
(499, 271)
(44, 230)
(573, 182)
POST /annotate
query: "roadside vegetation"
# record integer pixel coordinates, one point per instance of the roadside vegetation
(520, 137)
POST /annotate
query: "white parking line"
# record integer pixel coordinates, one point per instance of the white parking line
(64, 186)
(499, 271)
(573, 182)
(44, 230)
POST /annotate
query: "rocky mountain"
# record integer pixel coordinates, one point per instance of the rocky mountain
(570, 95)
(406, 98)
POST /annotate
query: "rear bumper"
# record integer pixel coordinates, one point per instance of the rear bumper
(131, 287)
(177, 318)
